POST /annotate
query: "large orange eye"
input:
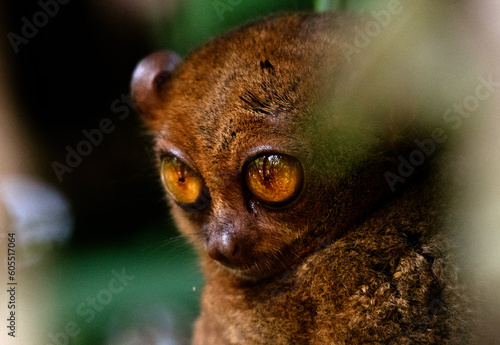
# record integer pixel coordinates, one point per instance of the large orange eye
(274, 179)
(183, 183)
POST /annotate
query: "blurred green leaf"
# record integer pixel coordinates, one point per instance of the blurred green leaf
(197, 21)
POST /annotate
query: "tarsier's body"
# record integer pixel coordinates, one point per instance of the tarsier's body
(328, 255)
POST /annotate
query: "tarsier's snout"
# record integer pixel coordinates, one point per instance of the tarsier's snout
(226, 248)
(231, 244)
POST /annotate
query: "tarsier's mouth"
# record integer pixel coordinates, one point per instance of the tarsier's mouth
(263, 265)
(253, 272)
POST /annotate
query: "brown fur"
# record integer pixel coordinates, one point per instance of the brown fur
(348, 262)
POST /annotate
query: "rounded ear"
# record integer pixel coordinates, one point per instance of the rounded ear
(149, 80)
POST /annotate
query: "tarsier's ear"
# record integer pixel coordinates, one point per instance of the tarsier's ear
(149, 80)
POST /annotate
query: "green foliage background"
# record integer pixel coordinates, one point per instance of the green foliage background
(196, 21)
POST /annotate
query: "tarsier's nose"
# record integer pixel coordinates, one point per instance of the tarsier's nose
(224, 248)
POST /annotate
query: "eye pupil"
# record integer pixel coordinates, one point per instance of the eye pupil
(274, 179)
(182, 182)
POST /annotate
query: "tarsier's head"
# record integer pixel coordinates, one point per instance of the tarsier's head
(252, 154)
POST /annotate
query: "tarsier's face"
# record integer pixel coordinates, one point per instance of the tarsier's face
(240, 199)
(239, 143)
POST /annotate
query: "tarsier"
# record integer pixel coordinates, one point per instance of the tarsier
(302, 237)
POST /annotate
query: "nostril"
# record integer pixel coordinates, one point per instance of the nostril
(235, 250)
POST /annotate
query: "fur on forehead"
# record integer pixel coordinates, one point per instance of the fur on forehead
(265, 70)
